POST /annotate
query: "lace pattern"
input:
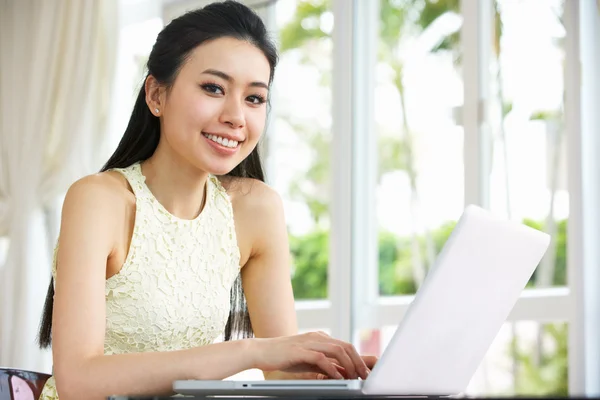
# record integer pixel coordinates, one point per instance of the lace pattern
(173, 291)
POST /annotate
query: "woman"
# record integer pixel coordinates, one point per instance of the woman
(154, 249)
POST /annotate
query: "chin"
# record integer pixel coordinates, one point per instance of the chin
(215, 165)
(220, 169)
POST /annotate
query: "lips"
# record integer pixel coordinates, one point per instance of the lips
(223, 141)
(222, 146)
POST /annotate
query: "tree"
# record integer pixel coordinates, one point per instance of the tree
(309, 276)
(399, 19)
(312, 187)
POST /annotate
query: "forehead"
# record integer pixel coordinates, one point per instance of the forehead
(239, 59)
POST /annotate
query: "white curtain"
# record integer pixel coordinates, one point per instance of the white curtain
(56, 74)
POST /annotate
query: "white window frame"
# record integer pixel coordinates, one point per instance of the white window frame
(353, 302)
(582, 20)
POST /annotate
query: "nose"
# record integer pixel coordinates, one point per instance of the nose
(233, 114)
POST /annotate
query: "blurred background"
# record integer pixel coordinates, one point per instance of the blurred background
(388, 117)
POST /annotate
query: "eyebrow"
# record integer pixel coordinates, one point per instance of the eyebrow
(228, 78)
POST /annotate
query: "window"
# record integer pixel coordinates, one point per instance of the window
(528, 174)
(420, 142)
(422, 145)
(528, 170)
(299, 163)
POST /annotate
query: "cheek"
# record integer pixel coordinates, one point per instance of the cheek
(191, 111)
(255, 121)
(200, 110)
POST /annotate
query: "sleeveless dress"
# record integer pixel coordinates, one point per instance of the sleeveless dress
(173, 291)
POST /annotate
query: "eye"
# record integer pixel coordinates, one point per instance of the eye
(212, 88)
(256, 99)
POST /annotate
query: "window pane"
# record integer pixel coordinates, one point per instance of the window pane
(528, 177)
(526, 358)
(420, 186)
(298, 145)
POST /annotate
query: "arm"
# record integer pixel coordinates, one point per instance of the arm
(267, 283)
(266, 275)
(92, 213)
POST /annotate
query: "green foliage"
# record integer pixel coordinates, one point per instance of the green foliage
(498, 29)
(393, 17)
(310, 258)
(549, 376)
(395, 272)
(560, 266)
(305, 25)
(310, 255)
(547, 115)
(432, 10)
(397, 18)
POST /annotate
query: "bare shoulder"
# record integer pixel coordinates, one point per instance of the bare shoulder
(101, 197)
(258, 214)
(252, 195)
(109, 188)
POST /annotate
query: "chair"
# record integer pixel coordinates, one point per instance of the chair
(16, 384)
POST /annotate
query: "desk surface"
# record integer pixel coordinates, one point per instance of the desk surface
(355, 397)
(299, 397)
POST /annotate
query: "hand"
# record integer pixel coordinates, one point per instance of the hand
(314, 352)
(370, 361)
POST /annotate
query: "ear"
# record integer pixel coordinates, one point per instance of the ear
(154, 95)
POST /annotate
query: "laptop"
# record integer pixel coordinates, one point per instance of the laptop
(449, 326)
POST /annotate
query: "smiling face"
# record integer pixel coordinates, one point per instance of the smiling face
(215, 112)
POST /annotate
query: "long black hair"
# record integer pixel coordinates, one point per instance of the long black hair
(171, 50)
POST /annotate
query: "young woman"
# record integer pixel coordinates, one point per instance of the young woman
(155, 248)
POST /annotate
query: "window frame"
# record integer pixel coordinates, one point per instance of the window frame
(582, 21)
(356, 307)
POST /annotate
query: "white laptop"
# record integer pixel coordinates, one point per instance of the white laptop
(449, 326)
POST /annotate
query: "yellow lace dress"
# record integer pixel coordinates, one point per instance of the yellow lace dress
(173, 291)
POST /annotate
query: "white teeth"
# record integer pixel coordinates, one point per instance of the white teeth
(222, 141)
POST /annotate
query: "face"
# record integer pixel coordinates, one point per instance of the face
(215, 112)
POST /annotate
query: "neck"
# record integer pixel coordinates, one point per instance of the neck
(176, 184)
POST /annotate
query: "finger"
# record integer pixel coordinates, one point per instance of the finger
(360, 368)
(320, 360)
(359, 365)
(339, 355)
(370, 361)
(342, 371)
